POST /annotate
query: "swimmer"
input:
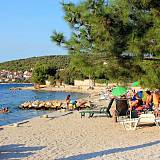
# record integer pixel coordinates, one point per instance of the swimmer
(4, 110)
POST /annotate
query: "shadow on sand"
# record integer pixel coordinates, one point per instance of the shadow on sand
(65, 114)
(17, 151)
(109, 151)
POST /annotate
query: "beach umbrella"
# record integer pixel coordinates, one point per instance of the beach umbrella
(135, 84)
(118, 91)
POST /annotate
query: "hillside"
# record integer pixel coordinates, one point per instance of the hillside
(60, 61)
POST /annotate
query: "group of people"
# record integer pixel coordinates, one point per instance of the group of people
(4, 110)
(74, 104)
(145, 100)
(138, 101)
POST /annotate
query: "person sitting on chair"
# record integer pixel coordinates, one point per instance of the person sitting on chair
(156, 103)
(133, 95)
(149, 99)
(137, 104)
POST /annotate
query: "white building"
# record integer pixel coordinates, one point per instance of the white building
(27, 75)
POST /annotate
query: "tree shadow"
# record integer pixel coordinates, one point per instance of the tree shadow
(17, 151)
(109, 151)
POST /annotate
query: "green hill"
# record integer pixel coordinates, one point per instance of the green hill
(60, 61)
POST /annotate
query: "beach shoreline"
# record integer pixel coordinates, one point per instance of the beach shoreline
(16, 83)
(67, 136)
(35, 97)
(67, 88)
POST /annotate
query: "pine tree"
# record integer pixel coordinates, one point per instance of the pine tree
(123, 32)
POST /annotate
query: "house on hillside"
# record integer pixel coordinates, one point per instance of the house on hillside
(6, 80)
(1, 80)
(27, 75)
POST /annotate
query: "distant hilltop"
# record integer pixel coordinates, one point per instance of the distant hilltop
(61, 61)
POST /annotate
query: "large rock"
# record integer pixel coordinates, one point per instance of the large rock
(54, 104)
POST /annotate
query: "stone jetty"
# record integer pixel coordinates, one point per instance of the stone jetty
(15, 88)
(44, 105)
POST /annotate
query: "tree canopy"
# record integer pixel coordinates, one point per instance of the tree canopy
(61, 61)
(121, 32)
(43, 72)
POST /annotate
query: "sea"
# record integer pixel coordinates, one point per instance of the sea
(13, 98)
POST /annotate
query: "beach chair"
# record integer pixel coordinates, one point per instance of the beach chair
(103, 110)
(103, 96)
(121, 108)
(148, 119)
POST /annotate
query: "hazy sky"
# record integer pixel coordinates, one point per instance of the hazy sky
(26, 27)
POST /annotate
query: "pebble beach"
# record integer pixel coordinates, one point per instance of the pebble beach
(67, 136)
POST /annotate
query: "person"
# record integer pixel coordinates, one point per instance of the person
(140, 94)
(133, 97)
(68, 98)
(4, 110)
(73, 102)
(90, 87)
(123, 96)
(80, 104)
(136, 104)
(156, 101)
(149, 99)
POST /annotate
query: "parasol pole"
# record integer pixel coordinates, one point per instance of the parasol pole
(130, 117)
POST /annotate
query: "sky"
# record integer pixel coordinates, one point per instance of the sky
(26, 27)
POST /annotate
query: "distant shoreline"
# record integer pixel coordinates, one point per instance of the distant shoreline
(16, 83)
(54, 89)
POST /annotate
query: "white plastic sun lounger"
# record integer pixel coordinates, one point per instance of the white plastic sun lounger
(132, 124)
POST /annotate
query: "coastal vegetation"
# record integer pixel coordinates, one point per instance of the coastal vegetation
(60, 61)
(111, 41)
(41, 68)
(43, 72)
(116, 40)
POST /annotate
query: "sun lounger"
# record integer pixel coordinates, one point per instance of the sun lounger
(148, 118)
(104, 110)
(143, 119)
(130, 124)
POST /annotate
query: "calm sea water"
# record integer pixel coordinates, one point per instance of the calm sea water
(13, 98)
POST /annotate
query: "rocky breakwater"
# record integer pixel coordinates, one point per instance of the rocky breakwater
(43, 105)
(15, 88)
